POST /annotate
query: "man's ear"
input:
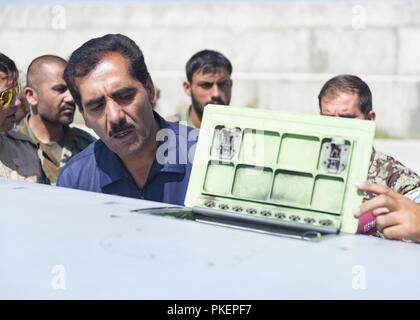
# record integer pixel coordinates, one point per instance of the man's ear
(155, 98)
(150, 89)
(187, 88)
(31, 96)
(371, 115)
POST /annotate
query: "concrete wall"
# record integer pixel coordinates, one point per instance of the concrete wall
(282, 52)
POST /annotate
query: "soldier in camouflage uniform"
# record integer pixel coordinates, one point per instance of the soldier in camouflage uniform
(350, 97)
(18, 157)
(52, 110)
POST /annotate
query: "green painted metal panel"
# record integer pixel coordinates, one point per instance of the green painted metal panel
(294, 168)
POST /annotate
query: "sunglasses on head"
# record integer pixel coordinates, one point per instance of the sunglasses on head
(8, 95)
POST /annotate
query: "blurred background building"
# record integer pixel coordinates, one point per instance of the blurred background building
(282, 51)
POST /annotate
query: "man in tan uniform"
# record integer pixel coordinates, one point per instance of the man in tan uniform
(52, 110)
(18, 157)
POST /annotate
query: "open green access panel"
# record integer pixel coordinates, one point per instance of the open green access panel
(286, 173)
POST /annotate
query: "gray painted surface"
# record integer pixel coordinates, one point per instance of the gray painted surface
(108, 252)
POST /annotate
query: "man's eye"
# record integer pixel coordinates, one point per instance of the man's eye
(206, 85)
(61, 89)
(94, 107)
(125, 98)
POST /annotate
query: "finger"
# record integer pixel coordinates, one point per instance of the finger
(375, 188)
(388, 220)
(379, 202)
(375, 212)
(380, 211)
(394, 232)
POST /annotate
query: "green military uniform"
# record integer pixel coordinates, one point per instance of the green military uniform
(385, 170)
(56, 154)
(19, 159)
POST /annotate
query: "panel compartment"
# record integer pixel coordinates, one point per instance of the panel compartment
(328, 194)
(252, 182)
(259, 147)
(219, 178)
(292, 187)
(299, 152)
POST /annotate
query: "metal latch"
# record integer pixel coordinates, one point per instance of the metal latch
(226, 142)
(335, 156)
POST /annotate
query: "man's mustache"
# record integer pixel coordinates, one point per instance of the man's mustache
(217, 101)
(67, 106)
(117, 128)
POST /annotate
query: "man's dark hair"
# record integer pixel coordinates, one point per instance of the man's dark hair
(208, 61)
(352, 84)
(90, 54)
(9, 67)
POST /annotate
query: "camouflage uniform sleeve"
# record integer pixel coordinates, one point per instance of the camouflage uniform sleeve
(385, 170)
